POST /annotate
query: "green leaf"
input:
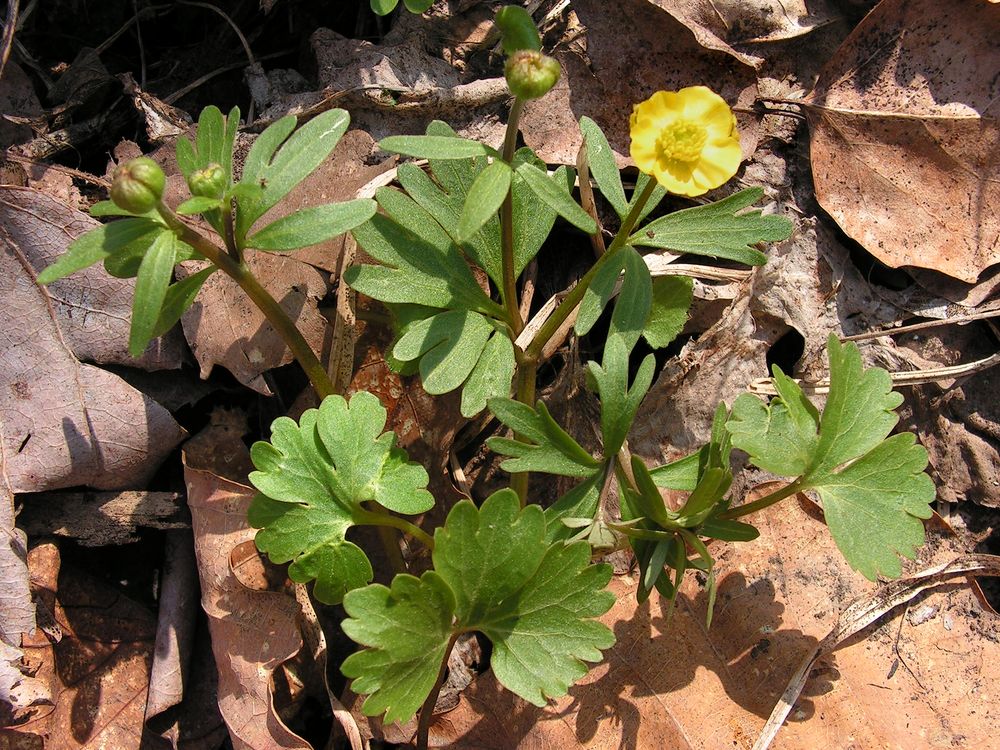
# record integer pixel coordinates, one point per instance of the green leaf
(314, 477)
(551, 449)
(634, 300)
(415, 271)
(493, 573)
(579, 502)
(446, 198)
(198, 205)
(210, 136)
(448, 346)
(721, 230)
(599, 292)
(150, 290)
(179, 298)
(310, 226)
(406, 629)
(383, 7)
(874, 490)
(555, 194)
(619, 403)
(672, 298)
(491, 376)
(517, 29)
(418, 6)
(657, 196)
(484, 199)
(434, 147)
(603, 166)
(278, 170)
(728, 531)
(100, 243)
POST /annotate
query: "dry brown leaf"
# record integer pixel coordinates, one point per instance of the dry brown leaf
(64, 423)
(625, 69)
(17, 98)
(253, 632)
(224, 327)
(97, 672)
(905, 137)
(677, 684)
(93, 309)
(719, 23)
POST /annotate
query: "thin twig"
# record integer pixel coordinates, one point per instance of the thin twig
(10, 24)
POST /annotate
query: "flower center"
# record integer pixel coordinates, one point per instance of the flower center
(682, 141)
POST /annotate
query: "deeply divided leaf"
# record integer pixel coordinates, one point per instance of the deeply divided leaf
(495, 573)
(724, 229)
(314, 478)
(874, 489)
(545, 447)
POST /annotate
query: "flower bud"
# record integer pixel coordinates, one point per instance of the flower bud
(138, 185)
(517, 30)
(531, 74)
(209, 182)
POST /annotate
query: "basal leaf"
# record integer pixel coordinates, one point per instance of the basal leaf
(551, 449)
(406, 629)
(309, 226)
(721, 230)
(874, 490)
(314, 477)
(495, 573)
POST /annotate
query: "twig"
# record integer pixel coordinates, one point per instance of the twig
(13, 6)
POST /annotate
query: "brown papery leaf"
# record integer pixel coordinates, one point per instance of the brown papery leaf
(97, 671)
(905, 137)
(64, 423)
(723, 22)
(225, 328)
(252, 631)
(677, 684)
(93, 309)
(627, 68)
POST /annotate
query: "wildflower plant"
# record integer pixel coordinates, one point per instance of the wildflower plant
(522, 576)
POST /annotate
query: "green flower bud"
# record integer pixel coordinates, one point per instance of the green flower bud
(517, 30)
(209, 182)
(138, 185)
(531, 74)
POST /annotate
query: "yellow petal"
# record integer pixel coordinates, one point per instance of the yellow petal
(718, 164)
(676, 177)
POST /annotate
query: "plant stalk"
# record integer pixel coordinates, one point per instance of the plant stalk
(427, 710)
(509, 291)
(762, 502)
(276, 316)
(383, 520)
(575, 295)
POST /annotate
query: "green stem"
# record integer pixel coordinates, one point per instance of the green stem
(509, 290)
(527, 374)
(575, 295)
(276, 316)
(427, 710)
(369, 518)
(763, 502)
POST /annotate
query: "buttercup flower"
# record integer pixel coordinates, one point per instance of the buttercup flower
(686, 139)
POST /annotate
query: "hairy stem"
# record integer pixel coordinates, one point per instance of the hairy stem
(370, 518)
(509, 291)
(427, 710)
(763, 502)
(575, 295)
(527, 374)
(276, 316)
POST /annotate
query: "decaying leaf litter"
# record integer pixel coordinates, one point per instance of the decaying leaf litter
(891, 180)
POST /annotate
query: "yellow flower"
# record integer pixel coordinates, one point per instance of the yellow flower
(686, 139)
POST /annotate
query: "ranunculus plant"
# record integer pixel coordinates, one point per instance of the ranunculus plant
(523, 576)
